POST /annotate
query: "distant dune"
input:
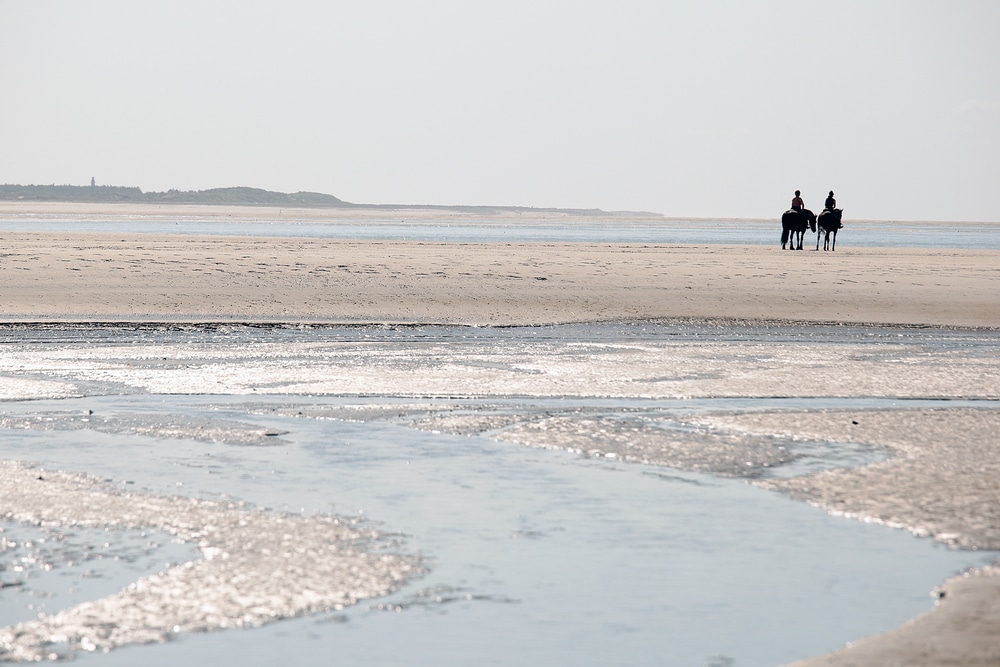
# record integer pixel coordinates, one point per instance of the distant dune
(238, 196)
(114, 194)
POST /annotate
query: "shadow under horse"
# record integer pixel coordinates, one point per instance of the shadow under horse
(794, 223)
(829, 221)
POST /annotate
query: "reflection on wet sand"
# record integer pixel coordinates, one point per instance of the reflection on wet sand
(256, 567)
(260, 566)
(941, 481)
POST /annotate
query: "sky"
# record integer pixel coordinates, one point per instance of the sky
(689, 109)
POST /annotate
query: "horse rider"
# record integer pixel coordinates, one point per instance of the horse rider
(831, 203)
(797, 202)
(831, 206)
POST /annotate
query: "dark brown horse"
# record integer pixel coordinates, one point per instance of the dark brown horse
(829, 221)
(794, 223)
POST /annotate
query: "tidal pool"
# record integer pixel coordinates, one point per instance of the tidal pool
(570, 550)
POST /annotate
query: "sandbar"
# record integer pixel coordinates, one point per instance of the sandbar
(51, 276)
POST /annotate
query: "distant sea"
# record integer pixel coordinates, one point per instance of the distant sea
(481, 229)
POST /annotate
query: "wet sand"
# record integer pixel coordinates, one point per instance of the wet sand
(941, 480)
(333, 565)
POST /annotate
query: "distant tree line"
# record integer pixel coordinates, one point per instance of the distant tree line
(120, 194)
(249, 197)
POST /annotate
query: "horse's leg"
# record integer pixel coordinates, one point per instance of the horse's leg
(802, 236)
(834, 240)
(784, 237)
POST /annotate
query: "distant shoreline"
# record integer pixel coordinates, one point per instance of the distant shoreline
(245, 196)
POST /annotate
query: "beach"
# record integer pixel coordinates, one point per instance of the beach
(94, 277)
(939, 480)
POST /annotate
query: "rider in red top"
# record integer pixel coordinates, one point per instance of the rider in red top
(797, 202)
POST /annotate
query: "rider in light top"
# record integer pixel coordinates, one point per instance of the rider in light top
(797, 202)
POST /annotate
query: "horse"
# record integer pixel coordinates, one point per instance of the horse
(794, 223)
(829, 221)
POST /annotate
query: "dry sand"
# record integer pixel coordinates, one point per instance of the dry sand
(85, 277)
(108, 277)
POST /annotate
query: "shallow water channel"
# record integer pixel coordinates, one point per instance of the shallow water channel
(534, 555)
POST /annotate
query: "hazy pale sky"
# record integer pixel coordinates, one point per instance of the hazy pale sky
(697, 109)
